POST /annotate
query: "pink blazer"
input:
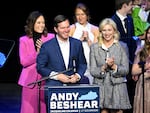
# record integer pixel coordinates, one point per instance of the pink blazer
(27, 55)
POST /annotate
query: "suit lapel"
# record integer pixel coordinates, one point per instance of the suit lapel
(71, 52)
(31, 45)
(119, 24)
(58, 53)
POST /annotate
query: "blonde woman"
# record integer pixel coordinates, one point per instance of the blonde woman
(109, 67)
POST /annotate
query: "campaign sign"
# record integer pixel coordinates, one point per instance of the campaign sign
(74, 99)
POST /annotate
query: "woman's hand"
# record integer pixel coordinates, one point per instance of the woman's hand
(110, 61)
(38, 45)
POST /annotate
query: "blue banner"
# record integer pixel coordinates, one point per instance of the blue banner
(74, 99)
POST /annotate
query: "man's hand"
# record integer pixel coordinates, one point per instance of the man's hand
(63, 78)
(74, 78)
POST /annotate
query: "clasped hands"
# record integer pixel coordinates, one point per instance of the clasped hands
(109, 64)
(84, 36)
(68, 79)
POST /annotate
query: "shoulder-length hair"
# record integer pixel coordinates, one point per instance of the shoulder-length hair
(84, 8)
(144, 53)
(104, 22)
(29, 27)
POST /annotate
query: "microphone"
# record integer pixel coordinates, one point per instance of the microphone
(74, 64)
(69, 69)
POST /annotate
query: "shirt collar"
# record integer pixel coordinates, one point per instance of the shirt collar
(62, 42)
(120, 16)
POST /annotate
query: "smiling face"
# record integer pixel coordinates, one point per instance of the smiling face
(63, 30)
(39, 24)
(81, 16)
(129, 7)
(108, 33)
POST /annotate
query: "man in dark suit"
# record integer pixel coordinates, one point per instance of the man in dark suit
(126, 28)
(62, 53)
(59, 54)
(123, 8)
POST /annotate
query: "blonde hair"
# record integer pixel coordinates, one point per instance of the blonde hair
(104, 22)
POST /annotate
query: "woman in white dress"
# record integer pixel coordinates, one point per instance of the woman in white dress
(84, 31)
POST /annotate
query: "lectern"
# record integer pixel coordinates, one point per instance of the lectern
(6, 47)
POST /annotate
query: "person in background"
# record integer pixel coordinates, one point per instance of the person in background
(142, 60)
(139, 16)
(62, 53)
(83, 30)
(125, 26)
(148, 10)
(32, 99)
(109, 67)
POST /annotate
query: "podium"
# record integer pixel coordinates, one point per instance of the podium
(6, 47)
(73, 99)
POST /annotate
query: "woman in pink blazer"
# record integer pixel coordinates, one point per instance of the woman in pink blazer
(29, 46)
